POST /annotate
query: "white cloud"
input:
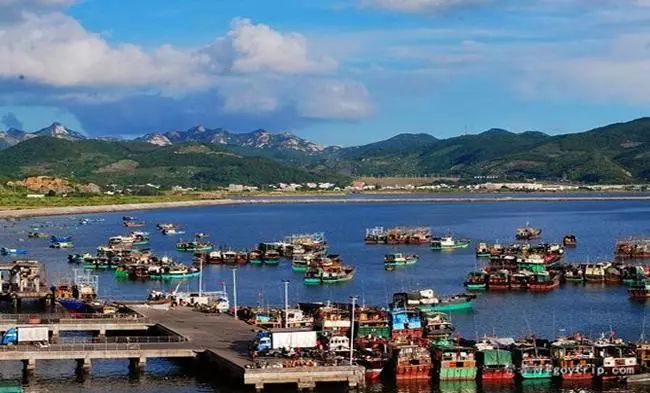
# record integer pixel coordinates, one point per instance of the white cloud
(250, 68)
(54, 49)
(250, 48)
(419, 5)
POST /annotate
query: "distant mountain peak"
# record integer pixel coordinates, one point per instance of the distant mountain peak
(58, 130)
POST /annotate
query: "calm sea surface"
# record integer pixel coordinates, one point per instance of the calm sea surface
(590, 309)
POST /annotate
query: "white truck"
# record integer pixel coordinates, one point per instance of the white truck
(26, 334)
(285, 339)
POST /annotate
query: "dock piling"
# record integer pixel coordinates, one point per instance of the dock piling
(83, 366)
(29, 365)
(137, 365)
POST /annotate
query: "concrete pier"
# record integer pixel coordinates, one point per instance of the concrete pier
(223, 341)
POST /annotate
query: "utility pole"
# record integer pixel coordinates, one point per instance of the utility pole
(354, 299)
(234, 291)
(200, 276)
(286, 303)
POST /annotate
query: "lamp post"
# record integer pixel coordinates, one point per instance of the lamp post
(286, 303)
(354, 299)
(234, 291)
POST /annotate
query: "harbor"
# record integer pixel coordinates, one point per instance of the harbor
(441, 264)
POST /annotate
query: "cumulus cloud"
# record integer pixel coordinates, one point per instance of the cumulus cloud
(49, 57)
(249, 48)
(420, 5)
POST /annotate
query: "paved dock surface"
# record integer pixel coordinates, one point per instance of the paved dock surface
(225, 341)
(221, 334)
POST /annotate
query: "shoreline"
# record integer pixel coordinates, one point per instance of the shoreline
(59, 211)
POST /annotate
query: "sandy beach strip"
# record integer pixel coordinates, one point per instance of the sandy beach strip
(72, 210)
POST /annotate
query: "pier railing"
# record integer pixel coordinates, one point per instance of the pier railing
(122, 340)
(75, 344)
(69, 318)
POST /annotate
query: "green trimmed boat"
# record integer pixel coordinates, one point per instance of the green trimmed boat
(476, 281)
(455, 364)
(483, 251)
(448, 243)
(193, 246)
(121, 273)
(399, 259)
(255, 257)
(454, 303)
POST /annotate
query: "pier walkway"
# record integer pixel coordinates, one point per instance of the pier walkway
(57, 323)
(224, 341)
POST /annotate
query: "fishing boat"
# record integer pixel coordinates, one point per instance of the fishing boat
(595, 272)
(521, 280)
(476, 281)
(574, 274)
(37, 235)
(483, 250)
(532, 360)
(372, 322)
(373, 355)
(448, 243)
(494, 360)
(134, 224)
(455, 363)
(58, 239)
(639, 290)
(193, 246)
(499, 280)
(575, 357)
(399, 259)
(271, 257)
(300, 263)
(80, 258)
(12, 251)
(173, 271)
(543, 282)
(632, 248)
(336, 273)
(528, 233)
(569, 240)
(633, 274)
(229, 257)
(426, 300)
(61, 245)
(312, 276)
(615, 357)
(437, 327)
(412, 362)
(255, 257)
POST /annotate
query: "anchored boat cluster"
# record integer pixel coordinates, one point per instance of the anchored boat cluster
(414, 339)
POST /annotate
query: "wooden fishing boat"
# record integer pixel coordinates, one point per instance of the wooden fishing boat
(193, 246)
(412, 362)
(476, 281)
(531, 360)
(494, 360)
(543, 282)
(448, 243)
(255, 257)
(528, 233)
(455, 364)
(569, 240)
(499, 280)
(399, 259)
(483, 250)
(574, 357)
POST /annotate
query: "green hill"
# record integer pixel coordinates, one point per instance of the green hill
(106, 162)
(615, 153)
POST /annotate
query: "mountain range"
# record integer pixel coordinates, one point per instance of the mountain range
(617, 153)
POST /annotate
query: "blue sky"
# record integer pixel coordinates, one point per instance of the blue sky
(337, 72)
